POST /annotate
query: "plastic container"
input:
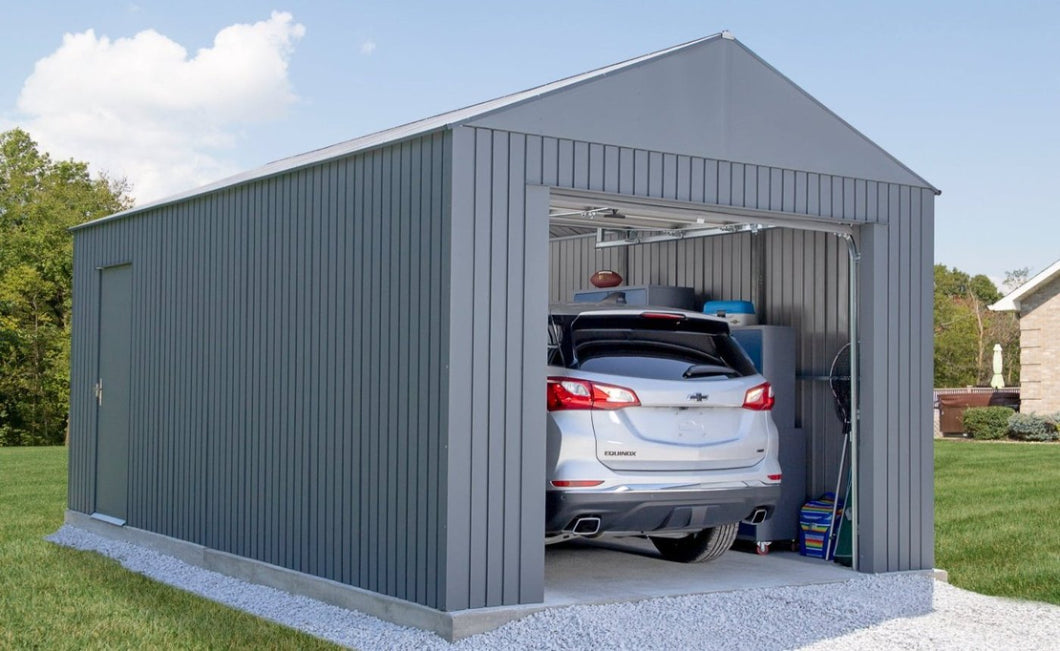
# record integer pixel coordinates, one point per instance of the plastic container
(656, 295)
(737, 313)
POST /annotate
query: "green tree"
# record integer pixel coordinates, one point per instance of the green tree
(1015, 278)
(39, 200)
(966, 330)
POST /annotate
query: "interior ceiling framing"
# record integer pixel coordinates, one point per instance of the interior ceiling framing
(624, 221)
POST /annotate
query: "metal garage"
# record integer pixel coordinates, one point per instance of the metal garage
(334, 364)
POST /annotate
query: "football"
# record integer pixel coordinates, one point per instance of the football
(605, 278)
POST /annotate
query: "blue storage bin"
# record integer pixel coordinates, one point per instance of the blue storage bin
(737, 313)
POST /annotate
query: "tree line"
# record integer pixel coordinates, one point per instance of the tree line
(966, 330)
(40, 199)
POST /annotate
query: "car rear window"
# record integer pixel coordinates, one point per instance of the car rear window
(634, 346)
(660, 356)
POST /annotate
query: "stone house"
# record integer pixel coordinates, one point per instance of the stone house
(1037, 302)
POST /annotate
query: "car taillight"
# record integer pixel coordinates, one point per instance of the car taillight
(670, 316)
(570, 393)
(759, 398)
(576, 483)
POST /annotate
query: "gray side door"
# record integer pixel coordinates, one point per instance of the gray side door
(112, 394)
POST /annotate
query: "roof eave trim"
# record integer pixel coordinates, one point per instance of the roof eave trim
(1012, 301)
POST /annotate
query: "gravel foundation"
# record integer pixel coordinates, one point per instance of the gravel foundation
(869, 612)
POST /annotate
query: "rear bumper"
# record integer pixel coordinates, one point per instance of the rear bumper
(656, 511)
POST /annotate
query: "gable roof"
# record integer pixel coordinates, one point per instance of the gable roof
(1011, 301)
(713, 99)
(508, 108)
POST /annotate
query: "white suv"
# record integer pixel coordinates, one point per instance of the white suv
(658, 426)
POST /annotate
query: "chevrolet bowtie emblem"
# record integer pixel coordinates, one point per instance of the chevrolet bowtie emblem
(698, 397)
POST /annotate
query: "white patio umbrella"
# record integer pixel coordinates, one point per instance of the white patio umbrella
(997, 381)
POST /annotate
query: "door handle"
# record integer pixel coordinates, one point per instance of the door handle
(99, 392)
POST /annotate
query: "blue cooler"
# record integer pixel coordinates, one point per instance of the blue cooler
(737, 313)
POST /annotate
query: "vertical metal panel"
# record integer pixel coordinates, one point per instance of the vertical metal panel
(531, 553)
(457, 561)
(580, 164)
(496, 495)
(669, 175)
(595, 167)
(266, 319)
(549, 161)
(896, 451)
(710, 182)
(626, 169)
(802, 182)
(875, 327)
(924, 280)
(784, 198)
(697, 177)
(737, 188)
(611, 169)
(725, 183)
(893, 296)
(496, 405)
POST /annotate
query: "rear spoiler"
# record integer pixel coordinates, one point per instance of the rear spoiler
(657, 320)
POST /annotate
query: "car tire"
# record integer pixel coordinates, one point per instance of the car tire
(698, 547)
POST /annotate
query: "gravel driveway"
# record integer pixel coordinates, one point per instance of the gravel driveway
(868, 612)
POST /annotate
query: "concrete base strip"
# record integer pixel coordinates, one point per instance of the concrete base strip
(451, 626)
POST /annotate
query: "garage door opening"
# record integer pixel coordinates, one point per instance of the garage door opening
(800, 274)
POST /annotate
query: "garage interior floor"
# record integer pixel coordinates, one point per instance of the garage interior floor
(628, 569)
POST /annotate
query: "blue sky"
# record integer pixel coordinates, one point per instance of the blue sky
(965, 94)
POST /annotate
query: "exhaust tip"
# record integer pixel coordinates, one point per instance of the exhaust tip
(757, 516)
(587, 526)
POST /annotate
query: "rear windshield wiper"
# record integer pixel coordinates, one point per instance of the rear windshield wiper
(702, 370)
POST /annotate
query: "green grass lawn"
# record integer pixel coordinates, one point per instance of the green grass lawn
(997, 508)
(53, 597)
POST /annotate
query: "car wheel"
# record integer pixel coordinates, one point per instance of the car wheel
(705, 545)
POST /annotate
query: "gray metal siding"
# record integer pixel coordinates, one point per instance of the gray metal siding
(290, 348)
(497, 375)
(640, 173)
(897, 454)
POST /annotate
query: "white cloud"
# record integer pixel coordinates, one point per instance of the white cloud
(142, 108)
(368, 47)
